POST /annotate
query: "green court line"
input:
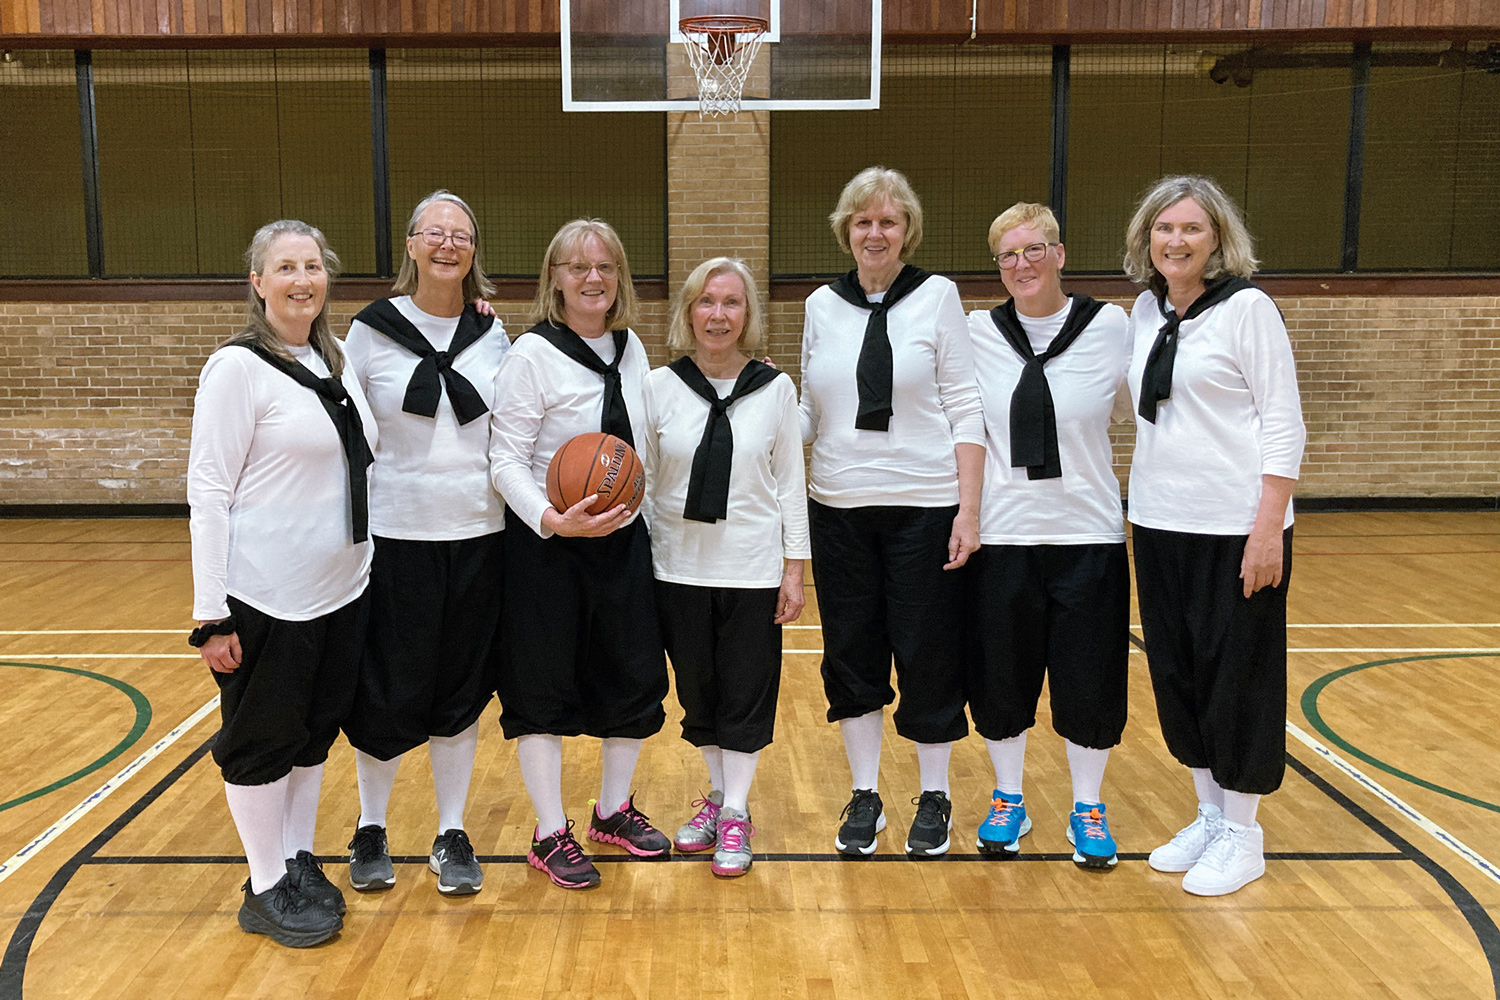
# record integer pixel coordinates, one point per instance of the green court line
(137, 730)
(1310, 710)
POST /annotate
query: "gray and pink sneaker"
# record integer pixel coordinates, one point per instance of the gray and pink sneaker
(702, 831)
(733, 856)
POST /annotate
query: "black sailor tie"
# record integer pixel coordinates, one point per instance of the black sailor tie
(424, 389)
(615, 418)
(708, 484)
(1156, 378)
(874, 372)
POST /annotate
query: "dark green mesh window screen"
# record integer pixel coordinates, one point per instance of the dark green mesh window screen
(41, 173)
(969, 125)
(488, 125)
(197, 149)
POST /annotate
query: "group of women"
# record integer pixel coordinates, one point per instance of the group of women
(374, 550)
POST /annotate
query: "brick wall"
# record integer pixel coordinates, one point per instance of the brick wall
(1401, 395)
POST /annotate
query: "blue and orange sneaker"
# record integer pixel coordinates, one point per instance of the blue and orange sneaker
(1088, 832)
(1006, 824)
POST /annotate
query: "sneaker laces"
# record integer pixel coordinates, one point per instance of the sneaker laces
(929, 808)
(706, 814)
(630, 816)
(1222, 848)
(734, 835)
(460, 851)
(571, 852)
(863, 801)
(1000, 810)
(1093, 824)
(287, 899)
(368, 842)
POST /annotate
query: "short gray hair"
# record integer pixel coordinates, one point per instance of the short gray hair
(680, 332)
(476, 285)
(1235, 253)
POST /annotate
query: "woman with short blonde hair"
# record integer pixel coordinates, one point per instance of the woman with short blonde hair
(890, 407)
(549, 305)
(680, 329)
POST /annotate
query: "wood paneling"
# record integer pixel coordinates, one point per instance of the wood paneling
(322, 19)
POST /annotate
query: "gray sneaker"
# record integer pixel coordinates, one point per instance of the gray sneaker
(733, 856)
(370, 868)
(453, 862)
(702, 831)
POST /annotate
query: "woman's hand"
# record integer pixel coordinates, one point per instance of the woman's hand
(482, 307)
(222, 652)
(964, 541)
(790, 600)
(1261, 564)
(577, 522)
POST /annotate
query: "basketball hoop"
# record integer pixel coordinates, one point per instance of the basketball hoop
(721, 49)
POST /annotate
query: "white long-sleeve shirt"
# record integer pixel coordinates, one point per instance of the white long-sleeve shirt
(431, 477)
(268, 486)
(545, 400)
(1083, 506)
(1234, 416)
(933, 396)
(766, 521)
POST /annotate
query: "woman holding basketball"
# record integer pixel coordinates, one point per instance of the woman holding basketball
(891, 408)
(582, 651)
(281, 560)
(1219, 438)
(728, 511)
(427, 362)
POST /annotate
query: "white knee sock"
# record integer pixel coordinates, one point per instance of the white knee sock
(862, 746)
(739, 771)
(1207, 788)
(540, 756)
(1086, 765)
(300, 823)
(617, 758)
(452, 768)
(932, 763)
(713, 757)
(1240, 807)
(1009, 758)
(258, 812)
(376, 779)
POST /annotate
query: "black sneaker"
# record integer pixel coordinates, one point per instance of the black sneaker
(629, 828)
(307, 874)
(453, 862)
(929, 830)
(287, 915)
(863, 818)
(562, 860)
(370, 868)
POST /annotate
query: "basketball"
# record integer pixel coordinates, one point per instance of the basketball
(596, 463)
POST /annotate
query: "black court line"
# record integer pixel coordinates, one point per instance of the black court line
(13, 965)
(704, 858)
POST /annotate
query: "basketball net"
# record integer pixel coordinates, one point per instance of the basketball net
(721, 49)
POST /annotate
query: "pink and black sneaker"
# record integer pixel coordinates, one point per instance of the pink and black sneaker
(629, 828)
(563, 861)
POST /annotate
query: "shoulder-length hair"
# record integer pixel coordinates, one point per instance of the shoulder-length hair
(680, 331)
(476, 285)
(258, 329)
(869, 185)
(1235, 253)
(548, 304)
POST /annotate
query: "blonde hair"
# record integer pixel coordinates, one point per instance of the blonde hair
(1024, 213)
(476, 285)
(869, 185)
(257, 329)
(680, 331)
(1235, 253)
(548, 304)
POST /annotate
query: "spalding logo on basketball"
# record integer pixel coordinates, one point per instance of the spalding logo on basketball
(596, 463)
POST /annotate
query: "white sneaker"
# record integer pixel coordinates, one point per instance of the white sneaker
(1235, 858)
(1188, 846)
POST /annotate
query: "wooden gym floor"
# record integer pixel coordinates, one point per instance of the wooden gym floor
(1376, 884)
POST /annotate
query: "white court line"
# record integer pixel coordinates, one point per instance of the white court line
(1137, 626)
(1377, 650)
(99, 656)
(96, 631)
(103, 792)
(1442, 836)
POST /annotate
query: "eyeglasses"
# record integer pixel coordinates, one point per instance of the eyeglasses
(1033, 253)
(580, 268)
(436, 238)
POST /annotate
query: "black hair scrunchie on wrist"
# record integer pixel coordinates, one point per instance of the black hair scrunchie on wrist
(200, 635)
